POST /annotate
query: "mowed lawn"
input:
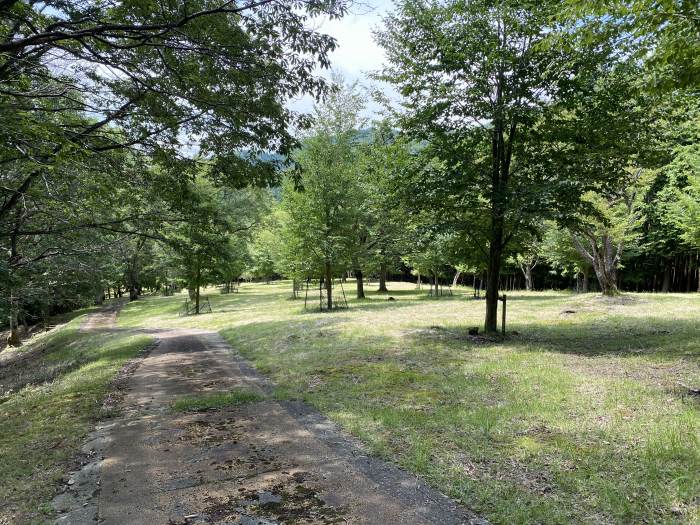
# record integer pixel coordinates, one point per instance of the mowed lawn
(579, 416)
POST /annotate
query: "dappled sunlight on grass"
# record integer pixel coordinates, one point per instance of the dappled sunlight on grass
(575, 416)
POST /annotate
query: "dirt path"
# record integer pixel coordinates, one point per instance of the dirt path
(104, 318)
(260, 463)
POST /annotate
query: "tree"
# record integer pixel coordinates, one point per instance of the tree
(685, 212)
(264, 253)
(431, 256)
(201, 244)
(322, 215)
(680, 202)
(601, 242)
(95, 96)
(215, 72)
(557, 248)
(527, 258)
(293, 262)
(381, 224)
(664, 35)
(476, 78)
(233, 263)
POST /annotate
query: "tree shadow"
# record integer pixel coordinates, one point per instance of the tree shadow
(621, 337)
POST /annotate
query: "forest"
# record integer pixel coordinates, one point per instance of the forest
(150, 150)
(138, 160)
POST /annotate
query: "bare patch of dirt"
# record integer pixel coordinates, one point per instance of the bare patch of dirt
(289, 502)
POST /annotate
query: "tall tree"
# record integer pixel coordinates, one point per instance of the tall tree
(201, 244)
(475, 77)
(558, 250)
(83, 84)
(381, 226)
(89, 77)
(322, 214)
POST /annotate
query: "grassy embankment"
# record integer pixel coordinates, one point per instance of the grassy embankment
(579, 418)
(51, 394)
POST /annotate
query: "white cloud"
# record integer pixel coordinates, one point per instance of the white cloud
(357, 54)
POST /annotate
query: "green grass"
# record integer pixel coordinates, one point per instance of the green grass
(202, 402)
(48, 404)
(579, 418)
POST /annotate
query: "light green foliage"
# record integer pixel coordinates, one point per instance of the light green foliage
(577, 419)
(206, 246)
(558, 249)
(430, 254)
(479, 84)
(265, 248)
(382, 224)
(662, 34)
(686, 211)
(611, 227)
(320, 207)
(528, 254)
(99, 146)
(680, 200)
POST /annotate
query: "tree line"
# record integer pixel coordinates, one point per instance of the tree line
(152, 146)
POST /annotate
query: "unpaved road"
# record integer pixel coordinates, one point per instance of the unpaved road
(260, 463)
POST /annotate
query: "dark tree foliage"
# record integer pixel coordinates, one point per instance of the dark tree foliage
(478, 81)
(109, 108)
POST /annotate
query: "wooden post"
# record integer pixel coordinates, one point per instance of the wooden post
(503, 315)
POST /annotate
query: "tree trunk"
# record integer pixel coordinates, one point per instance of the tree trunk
(328, 278)
(13, 339)
(196, 296)
(607, 279)
(604, 258)
(584, 284)
(360, 284)
(456, 278)
(666, 285)
(133, 293)
(492, 278)
(527, 272)
(418, 283)
(382, 277)
(99, 297)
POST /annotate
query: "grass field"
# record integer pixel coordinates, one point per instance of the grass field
(51, 394)
(578, 416)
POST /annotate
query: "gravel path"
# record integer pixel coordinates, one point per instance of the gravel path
(260, 463)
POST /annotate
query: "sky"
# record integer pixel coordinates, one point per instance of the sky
(357, 53)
